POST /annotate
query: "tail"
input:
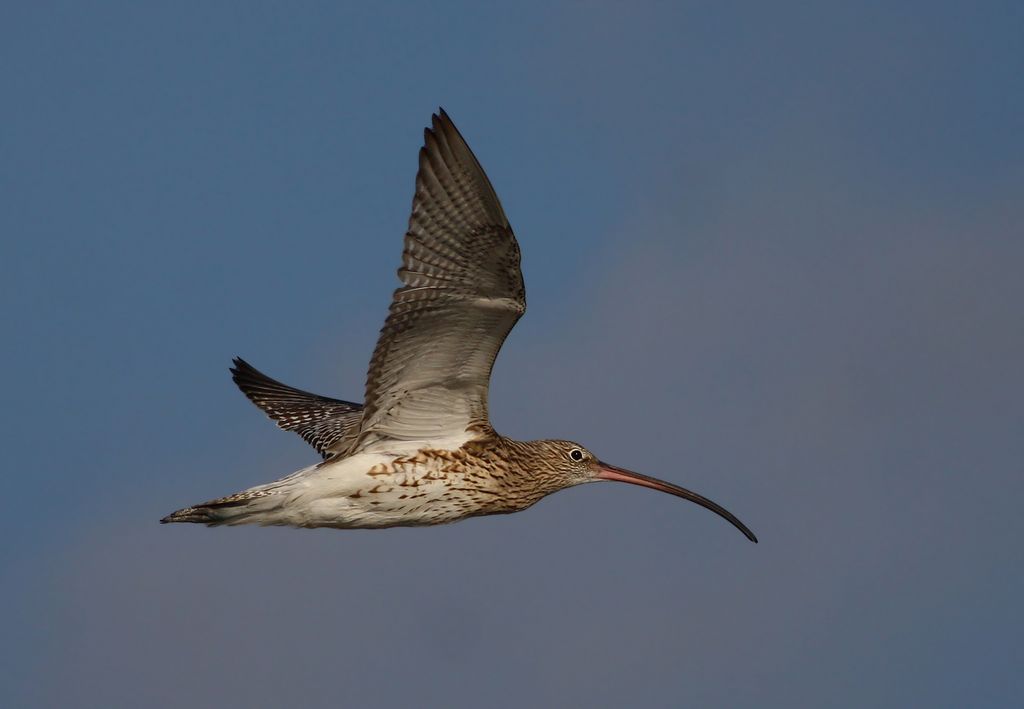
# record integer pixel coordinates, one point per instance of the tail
(200, 515)
(239, 508)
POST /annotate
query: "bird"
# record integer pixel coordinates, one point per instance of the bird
(420, 450)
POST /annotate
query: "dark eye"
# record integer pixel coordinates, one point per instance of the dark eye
(576, 454)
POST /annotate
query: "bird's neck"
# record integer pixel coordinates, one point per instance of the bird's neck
(526, 466)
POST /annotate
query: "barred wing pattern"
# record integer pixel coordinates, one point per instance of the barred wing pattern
(462, 292)
(329, 425)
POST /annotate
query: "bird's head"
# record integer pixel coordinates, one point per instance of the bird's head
(571, 464)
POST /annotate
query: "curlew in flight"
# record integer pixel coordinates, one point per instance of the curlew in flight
(420, 450)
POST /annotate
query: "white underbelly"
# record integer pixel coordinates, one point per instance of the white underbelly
(362, 491)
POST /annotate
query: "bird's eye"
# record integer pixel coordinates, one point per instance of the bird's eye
(576, 454)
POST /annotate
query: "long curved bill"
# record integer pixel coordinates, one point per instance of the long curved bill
(610, 472)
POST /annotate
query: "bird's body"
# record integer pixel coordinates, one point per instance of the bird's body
(421, 450)
(406, 485)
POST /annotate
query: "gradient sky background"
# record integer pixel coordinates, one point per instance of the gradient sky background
(772, 253)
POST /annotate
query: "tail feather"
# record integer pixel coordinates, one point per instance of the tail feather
(232, 509)
(198, 515)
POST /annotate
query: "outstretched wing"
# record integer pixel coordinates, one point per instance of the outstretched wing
(462, 291)
(329, 425)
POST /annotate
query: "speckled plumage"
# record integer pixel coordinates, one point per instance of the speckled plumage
(421, 450)
(487, 475)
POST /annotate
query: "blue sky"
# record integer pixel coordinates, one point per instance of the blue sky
(772, 254)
